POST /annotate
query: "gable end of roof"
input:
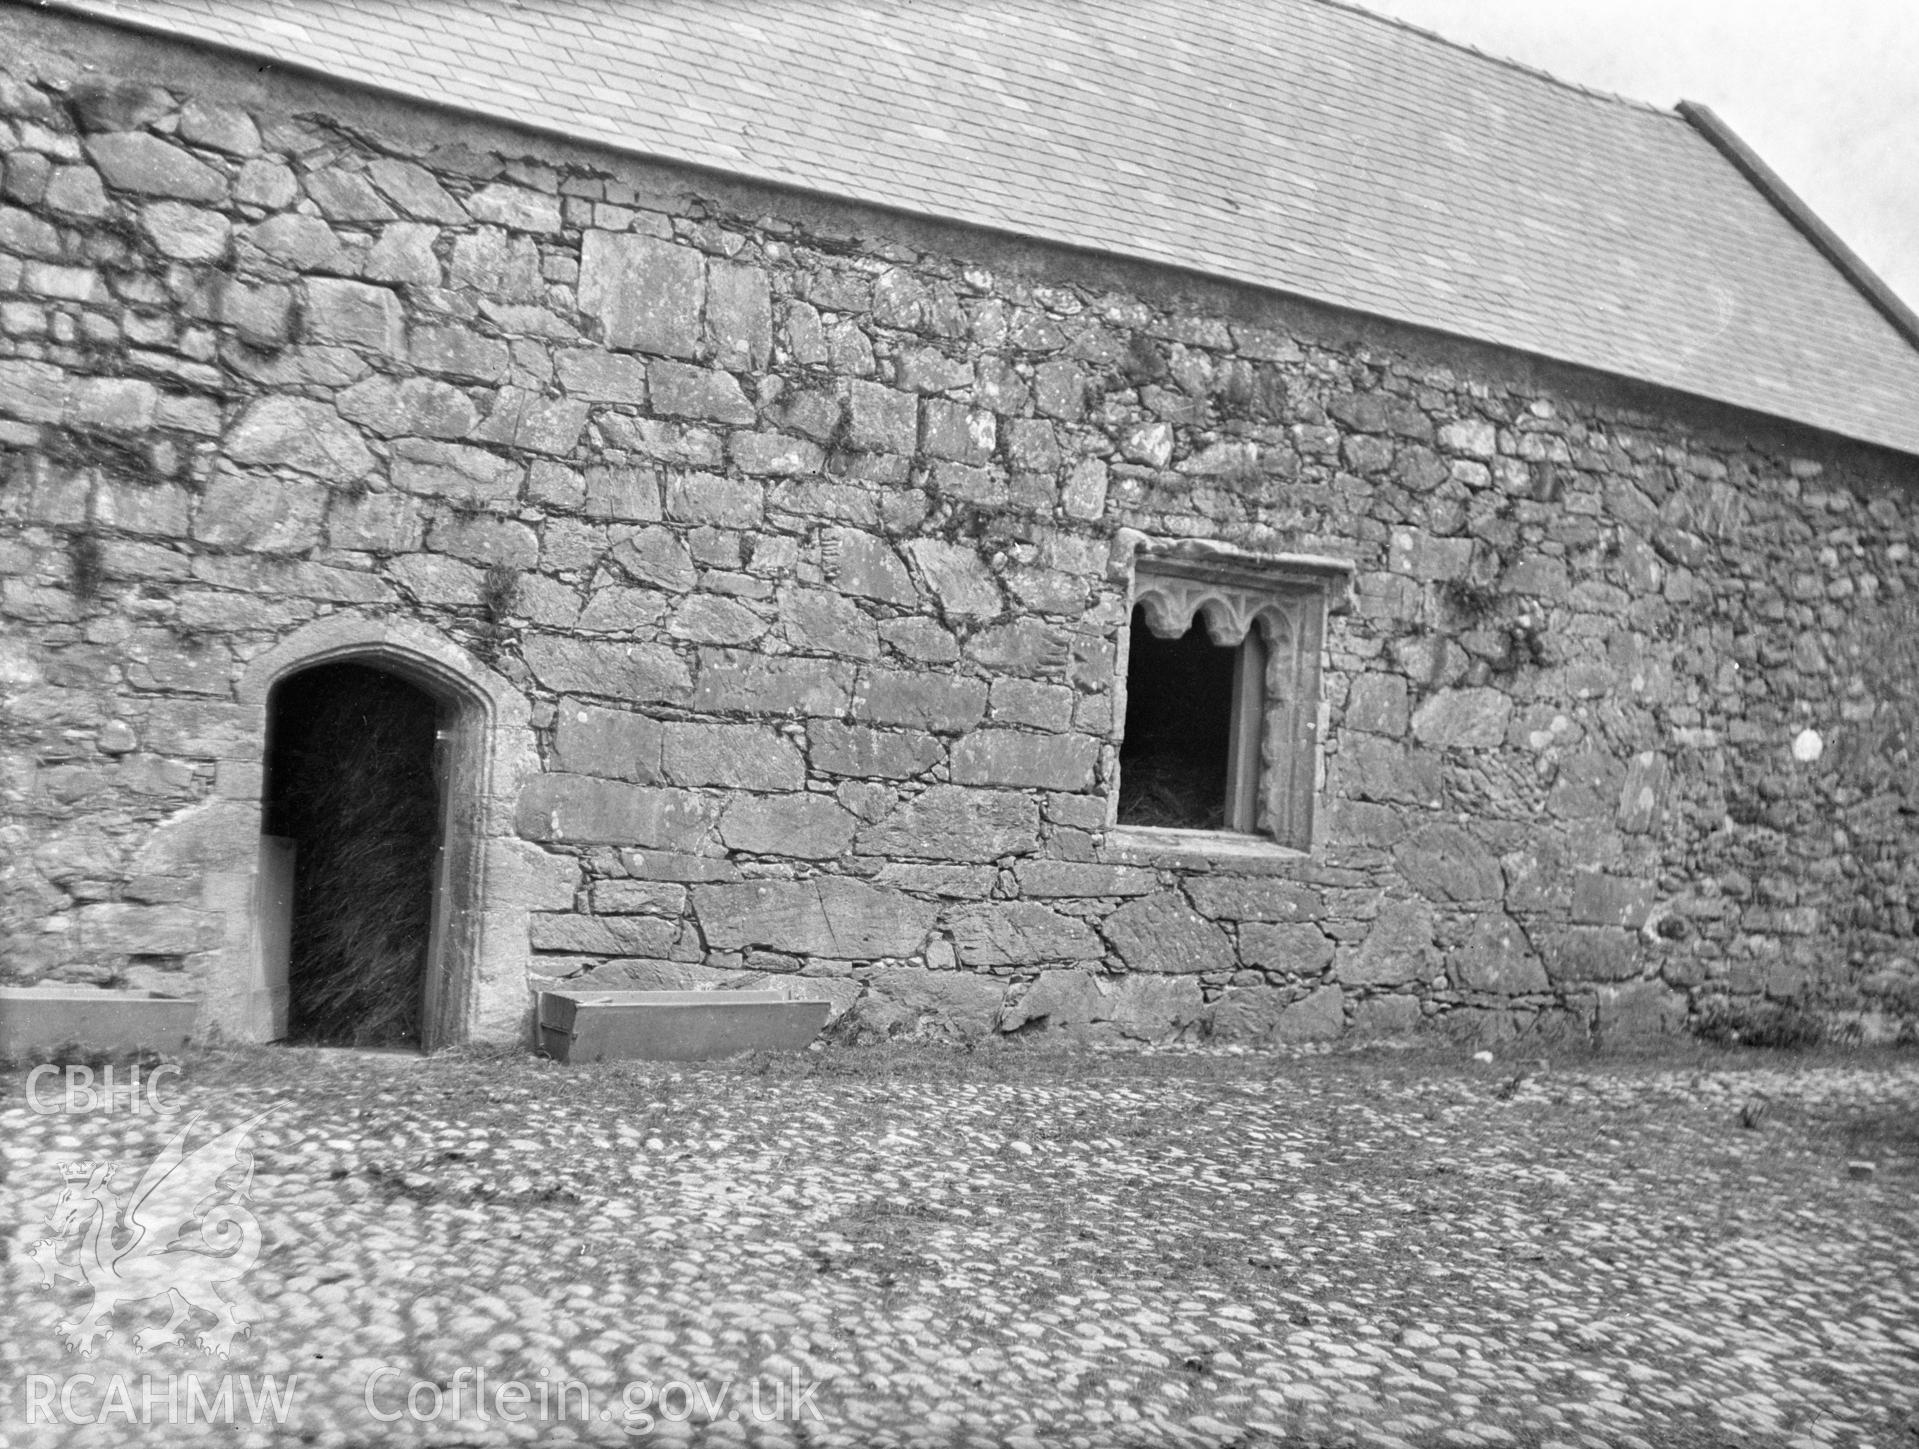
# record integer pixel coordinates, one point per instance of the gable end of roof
(1728, 143)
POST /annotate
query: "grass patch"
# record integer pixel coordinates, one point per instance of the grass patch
(879, 1238)
(1891, 1136)
(1780, 1026)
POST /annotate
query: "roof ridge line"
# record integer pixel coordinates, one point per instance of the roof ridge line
(1538, 73)
(1793, 207)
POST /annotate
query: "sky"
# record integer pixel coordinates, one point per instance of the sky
(1826, 91)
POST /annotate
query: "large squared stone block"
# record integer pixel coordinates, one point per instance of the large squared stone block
(1071, 878)
(938, 702)
(954, 431)
(636, 673)
(135, 161)
(155, 509)
(953, 822)
(646, 294)
(731, 680)
(355, 313)
(862, 564)
(1609, 900)
(1299, 949)
(1396, 1016)
(1019, 933)
(697, 392)
(421, 407)
(1013, 758)
(600, 376)
(1377, 704)
(459, 352)
(297, 433)
(830, 916)
(611, 744)
(881, 420)
(1373, 768)
(414, 190)
(809, 827)
(604, 935)
(1498, 957)
(958, 576)
(1254, 898)
(581, 810)
(732, 756)
(842, 749)
(346, 196)
(913, 998)
(1061, 999)
(34, 391)
(404, 253)
(1636, 1012)
(522, 876)
(527, 421)
(1463, 719)
(122, 928)
(1449, 863)
(655, 556)
(517, 207)
(1262, 1013)
(271, 515)
(739, 316)
(1595, 953)
(826, 621)
(709, 498)
(1397, 949)
(628, 494)
(1163, 934)
(455, 471)
(1642, 798)
(1157, 1008)
(774, 454)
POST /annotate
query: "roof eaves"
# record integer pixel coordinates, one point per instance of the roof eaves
(1154, 250)
(1774, 188)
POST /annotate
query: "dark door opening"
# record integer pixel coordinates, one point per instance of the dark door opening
(352, 779)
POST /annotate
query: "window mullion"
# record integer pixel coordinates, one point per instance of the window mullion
(1243, 749)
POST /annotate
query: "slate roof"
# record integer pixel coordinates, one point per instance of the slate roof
(1293, 144)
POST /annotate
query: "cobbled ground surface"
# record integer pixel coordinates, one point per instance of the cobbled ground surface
(922, 1247)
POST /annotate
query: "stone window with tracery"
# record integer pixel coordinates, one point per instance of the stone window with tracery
(1221, 692)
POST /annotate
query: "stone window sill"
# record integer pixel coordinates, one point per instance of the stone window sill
(1225, 846)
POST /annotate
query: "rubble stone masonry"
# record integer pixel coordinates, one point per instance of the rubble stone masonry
(788, 546)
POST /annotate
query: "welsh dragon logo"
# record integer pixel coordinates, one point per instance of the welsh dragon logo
(143, 1248)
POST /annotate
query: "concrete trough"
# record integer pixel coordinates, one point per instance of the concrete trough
(45, 1023)
(673, 1026)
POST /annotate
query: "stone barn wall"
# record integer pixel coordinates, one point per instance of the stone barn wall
(780, 554)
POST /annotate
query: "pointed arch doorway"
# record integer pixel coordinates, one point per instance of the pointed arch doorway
(457, 738)
(354, 813)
